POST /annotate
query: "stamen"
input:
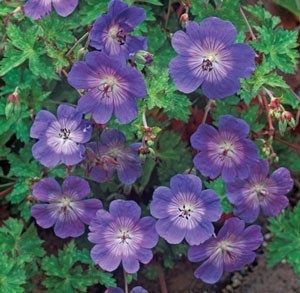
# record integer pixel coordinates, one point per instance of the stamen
(64, 133)
(207, 65)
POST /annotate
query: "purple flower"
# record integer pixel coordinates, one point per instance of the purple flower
(111, 32)
(258, 190)
(39, 8)
(226, 152)
(184, 211)
(64, 207)
(209, 57)
(121, 235)
(60, 140)
(137, 289)
(110, 154)
(112, 87)
(231, 250)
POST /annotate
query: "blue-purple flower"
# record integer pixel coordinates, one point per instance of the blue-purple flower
(64, 207)
(121, 236)
(185, 211)
(111, 154)
(137, 289)
(61, 139)
(209, 58)
(230, 251)
(39, 8)
(112, 87)
(226, 152)
(111, 32)
(258, 191)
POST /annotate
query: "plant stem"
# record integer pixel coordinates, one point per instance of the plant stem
(125, 281)
(145, 120)
(293, 146)
(265, 102)
(161, 279)
(248, 25)
(76, 43)
(207, 109)
(294, 94)
(168, 13)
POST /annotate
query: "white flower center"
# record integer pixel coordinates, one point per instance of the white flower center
(185, 211)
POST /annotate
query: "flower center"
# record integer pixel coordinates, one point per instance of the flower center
(107, 87)
(207, 62)
(124, 236)
(64, 133)
(185, 211)
(260, 191)
(227, 149)
(118, 34)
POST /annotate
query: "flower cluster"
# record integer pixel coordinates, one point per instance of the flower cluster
(184, 212)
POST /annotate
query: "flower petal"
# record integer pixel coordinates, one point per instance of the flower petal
(37, 9)
(75, 187)
(47, 190)
(45, 214)
(125, 208)
(167, 229)
(64, 8)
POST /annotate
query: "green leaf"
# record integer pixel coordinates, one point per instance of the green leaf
(250, 116)
(219, 187)
(278, 45)
(64, 273)
(174, 157)
(162, 94)
(12, 275)
(23, 245)
(286, 241)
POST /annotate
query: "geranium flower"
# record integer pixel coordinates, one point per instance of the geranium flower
(184, 211)
(111, 32)
(209, 57)
(121, 236)
(231, 250)
(226, 152)
(64, 207)
(112, 87)
(111, 154)
(258, 191)
(137, 289)
(39, 8)
(60, 140)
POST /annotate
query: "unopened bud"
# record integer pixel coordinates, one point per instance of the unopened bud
(142, 57)
(81, 53)
(13, 106)
(275, 103)
(286, 116)
(184, 19)
(277, 115)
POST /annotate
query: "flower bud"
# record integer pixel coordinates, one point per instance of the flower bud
(275, 103)
(286, 116)
(142, 57)
(184, 18)
(13, 106)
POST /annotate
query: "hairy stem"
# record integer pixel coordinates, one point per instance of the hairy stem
(168, 13)
(248, 25)
(207, 109)
(76, 43)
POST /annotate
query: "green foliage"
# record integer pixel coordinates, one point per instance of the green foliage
(162, 94)
(219, 187)
(174, 158)
(225, 9)
(66, 272)
(251, 117)
(21, 242)
(278, 45)
(263, 76)
(286, 241)
(12, 275)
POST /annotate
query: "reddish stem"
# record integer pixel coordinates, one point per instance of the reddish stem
(162, 281)
(271, 128)
(293, 146)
